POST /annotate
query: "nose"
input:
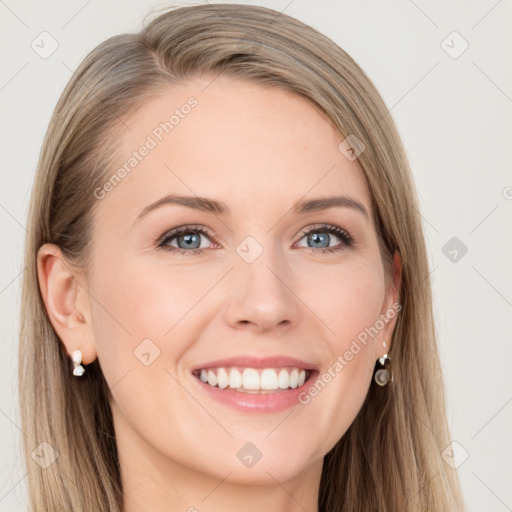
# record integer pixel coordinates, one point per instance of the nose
(262, 295)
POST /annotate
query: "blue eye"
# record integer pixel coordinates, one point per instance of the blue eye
(312, 237)
(188, 239)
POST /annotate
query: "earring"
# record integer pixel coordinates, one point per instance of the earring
(383, 375)
(78, 369)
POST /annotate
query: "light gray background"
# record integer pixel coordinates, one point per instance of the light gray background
(454, 115)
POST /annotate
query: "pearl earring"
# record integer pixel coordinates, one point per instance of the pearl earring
(78, 369)
(383, 375)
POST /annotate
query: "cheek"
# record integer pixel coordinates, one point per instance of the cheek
(136, 302)
(145, 299)
(350, 307)
(350, 302)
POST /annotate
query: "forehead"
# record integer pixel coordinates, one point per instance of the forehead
(255, 148)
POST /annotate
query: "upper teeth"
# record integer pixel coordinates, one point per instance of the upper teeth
(254, 379)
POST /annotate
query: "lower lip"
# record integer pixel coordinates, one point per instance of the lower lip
(257, 402)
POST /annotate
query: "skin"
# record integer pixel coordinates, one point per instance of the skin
(259, 151)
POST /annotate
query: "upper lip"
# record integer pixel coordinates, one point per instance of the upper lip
(259, 362)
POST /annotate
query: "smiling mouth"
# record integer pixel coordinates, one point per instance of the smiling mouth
(254, 380)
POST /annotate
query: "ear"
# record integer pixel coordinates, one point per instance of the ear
(391, 308)
(66, 300)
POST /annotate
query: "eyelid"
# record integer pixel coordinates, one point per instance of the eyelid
(330, 228)
(183, 229)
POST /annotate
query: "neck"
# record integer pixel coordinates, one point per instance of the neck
(192, 492)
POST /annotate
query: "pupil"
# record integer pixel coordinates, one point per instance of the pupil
(315, 238)
(189, 240)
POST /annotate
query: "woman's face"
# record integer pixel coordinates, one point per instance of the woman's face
(259, 287)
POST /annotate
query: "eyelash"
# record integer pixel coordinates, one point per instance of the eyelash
(346, 238)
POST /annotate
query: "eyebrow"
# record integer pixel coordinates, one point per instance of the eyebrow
(219, 208)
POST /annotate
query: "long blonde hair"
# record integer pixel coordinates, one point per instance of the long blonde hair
(390, 457)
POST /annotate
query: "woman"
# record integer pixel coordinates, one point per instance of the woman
(227, 303)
